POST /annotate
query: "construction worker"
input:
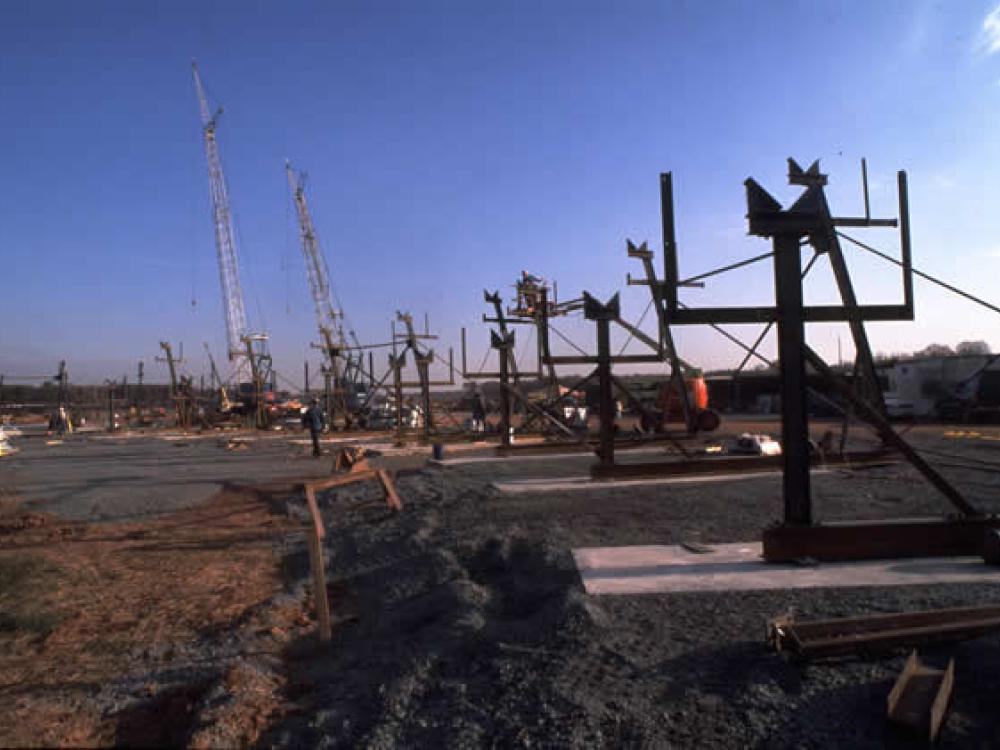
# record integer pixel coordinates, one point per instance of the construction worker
(315, 420)
(478, 409)
(62, 421)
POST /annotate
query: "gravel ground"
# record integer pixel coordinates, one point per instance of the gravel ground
(97, 477)
(463, 622)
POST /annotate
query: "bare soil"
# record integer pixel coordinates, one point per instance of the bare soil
(117, 633)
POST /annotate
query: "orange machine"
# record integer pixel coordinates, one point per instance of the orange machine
(668, 404)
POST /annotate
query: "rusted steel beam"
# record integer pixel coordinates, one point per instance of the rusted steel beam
(735, 465)
(873, 540)
(872, 634)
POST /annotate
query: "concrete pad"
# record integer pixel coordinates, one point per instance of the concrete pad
(739, 567)
(515, 456)
(506, 459)
(586, 482)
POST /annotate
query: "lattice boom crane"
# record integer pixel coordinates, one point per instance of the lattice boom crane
(328, 317)
(339, 365)
(225, 240)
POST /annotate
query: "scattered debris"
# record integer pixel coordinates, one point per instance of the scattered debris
(754, 445)
(697, 548)
(351, 458)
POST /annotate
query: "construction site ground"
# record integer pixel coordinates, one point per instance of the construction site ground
(155, 589)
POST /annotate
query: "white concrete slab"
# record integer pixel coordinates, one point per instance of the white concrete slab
(586, 483)
(512, 457)
(739, 567)
(506, 459)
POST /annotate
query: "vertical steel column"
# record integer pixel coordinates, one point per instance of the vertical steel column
(670, 273)
(606, 398)
(504, 344)
(904, 242)
(305, 379)
(542, 336)
(423, 373)
(63, 378)
(791, 340)
(396, 363)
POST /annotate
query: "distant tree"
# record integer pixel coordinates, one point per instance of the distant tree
(935, 350)
(972, 347)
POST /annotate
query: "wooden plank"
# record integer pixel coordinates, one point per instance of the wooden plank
(391, 496)
(899, 686)
(339, 480)
(317, 519)
(319, 584)
(919, 699)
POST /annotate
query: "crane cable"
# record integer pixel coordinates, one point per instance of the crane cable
(631, 335)
(564, 338)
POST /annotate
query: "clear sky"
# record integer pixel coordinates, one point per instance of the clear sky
(449, 145)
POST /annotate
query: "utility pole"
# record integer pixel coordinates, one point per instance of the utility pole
(62, 377)
(139, 393)
(110, 385)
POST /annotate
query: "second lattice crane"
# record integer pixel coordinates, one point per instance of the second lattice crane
(338, 366)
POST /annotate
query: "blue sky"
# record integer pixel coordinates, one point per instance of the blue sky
(449, 145)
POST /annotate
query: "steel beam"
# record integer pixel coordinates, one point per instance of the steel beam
(794, 416)
(811, 314)
(872, 540)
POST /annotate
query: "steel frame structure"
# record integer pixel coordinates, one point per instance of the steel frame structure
(533, 308)
(809, 222)
(401, 343)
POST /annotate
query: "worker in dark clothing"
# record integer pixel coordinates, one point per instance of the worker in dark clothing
(315, 420)
(478, 409)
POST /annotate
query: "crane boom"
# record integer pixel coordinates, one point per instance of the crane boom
(225, 241)
(327, 316)
(339, 365)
